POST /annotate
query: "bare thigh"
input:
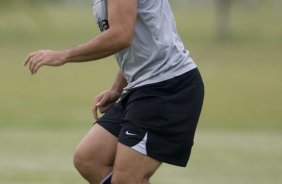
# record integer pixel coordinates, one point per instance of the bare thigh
(133, 167)
(94, 156)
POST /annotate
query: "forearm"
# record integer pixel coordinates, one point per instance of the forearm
(104, 45)
(119, 83)
(121, 16)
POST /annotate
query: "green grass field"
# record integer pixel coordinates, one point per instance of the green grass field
(43, 117)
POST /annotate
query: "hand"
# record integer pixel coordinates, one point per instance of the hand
(104, 101)
(44, 57)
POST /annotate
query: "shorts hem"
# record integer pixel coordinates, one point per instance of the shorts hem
(158, 157)
(175, 162)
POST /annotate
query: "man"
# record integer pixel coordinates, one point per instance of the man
(159, 87)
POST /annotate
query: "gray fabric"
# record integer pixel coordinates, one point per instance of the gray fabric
(157, 52)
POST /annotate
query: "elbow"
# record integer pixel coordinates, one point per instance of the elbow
(123, 39)
(128, 41)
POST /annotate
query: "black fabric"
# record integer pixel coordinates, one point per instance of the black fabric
(168, 112)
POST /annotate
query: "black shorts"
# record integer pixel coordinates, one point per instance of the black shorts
(159, 120)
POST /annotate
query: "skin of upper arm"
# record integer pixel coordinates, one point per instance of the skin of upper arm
(122, 17)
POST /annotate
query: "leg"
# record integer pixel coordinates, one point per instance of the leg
(94, 156)
(132, 167)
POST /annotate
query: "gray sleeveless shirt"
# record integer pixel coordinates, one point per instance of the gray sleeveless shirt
(157, 52)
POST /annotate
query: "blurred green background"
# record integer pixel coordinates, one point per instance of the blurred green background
(236, 44)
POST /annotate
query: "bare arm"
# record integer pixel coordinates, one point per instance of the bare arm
(122, 17)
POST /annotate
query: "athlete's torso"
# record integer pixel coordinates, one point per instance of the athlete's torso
(157, 52)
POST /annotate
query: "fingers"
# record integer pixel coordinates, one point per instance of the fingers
(97, 104)
(102, 102)
(95, 113)
(102, 110)
(28, 58)
(32, 64)
(37, 66)
(34, 61)
(44, 57)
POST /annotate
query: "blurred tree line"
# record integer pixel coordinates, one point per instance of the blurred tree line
(223, 8)
(4, 3)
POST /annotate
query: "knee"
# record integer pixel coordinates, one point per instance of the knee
(89, 167)
(81, 162)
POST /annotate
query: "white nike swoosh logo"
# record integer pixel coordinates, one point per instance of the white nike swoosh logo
(128, 133)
